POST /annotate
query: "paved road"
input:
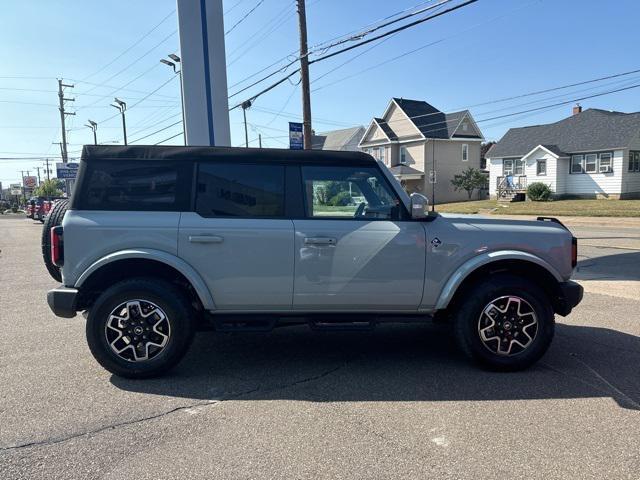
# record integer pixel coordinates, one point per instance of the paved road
(398, 402)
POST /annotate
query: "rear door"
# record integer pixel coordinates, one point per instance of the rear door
(239, 237)
(355, 249)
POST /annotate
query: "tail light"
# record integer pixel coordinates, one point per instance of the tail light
(574, 252)
(57, 246)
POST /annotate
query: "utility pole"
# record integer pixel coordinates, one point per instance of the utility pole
(304, 75)
(46, 160)
(63, 115)
(246, 104)
(38, 169)
(259, 140)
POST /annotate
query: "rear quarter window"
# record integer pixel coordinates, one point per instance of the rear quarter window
(140, 185)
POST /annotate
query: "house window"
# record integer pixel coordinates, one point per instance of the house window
(465, 152)
(634, 161)
(576, 164)
(507, 167)
(541, 168)
(403, 155)
(605, 163)
(518, 167)
(591, 163)
(382, 155)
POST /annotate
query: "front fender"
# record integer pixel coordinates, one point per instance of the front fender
(456, 279)
(159, 256)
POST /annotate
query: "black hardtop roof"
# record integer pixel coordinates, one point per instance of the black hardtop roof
(161, 152)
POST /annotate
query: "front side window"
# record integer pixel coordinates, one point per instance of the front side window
(518, 167)
(576, 164)
(591, 163)
(465, 152)
(541, 168)
(348, 192)
(240, 190)
(137, 185)
(507, 167)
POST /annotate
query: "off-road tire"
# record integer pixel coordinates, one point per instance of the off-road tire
(53, 219)
(169, 298)
(469, 309)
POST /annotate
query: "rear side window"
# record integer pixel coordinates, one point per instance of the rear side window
(240, 190)
(142, 185)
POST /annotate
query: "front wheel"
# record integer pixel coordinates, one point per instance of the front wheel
(504, 323)
(140, 328)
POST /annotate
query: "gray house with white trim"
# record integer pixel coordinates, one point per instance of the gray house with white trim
(592, 154)
(422, 145)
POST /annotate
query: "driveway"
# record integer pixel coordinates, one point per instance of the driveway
(398, 402)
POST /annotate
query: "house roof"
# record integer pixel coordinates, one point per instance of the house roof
(431, 122)
(386, 128)
(400, 170)
(592, 129)
(336, 139)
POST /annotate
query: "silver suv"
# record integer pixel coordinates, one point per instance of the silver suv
(158, 242)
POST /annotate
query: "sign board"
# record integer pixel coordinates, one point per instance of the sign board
(295, 136)
(16, 189)
(432, 176)
(30, 181)
(66, 170)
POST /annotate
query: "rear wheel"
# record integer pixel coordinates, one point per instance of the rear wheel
(53, 219)
(505, 323)
(140, 328)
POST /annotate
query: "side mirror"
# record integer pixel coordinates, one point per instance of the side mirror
(419, 206)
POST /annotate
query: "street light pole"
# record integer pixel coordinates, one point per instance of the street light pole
(122, 106)
(176, 59)
(246, 104)
(93, 126)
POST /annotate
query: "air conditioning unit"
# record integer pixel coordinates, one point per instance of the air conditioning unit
(606, 169)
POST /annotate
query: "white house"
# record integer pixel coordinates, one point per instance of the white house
(593, 154)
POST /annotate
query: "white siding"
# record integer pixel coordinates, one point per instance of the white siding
(495, 170)
(597, 183)
(530, 169)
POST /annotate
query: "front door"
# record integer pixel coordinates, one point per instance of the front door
(238, 238)
(352, 251)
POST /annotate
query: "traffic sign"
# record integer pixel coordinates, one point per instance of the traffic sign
(16, 189)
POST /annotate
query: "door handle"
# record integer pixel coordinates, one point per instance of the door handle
(326, 241)
(205, 239)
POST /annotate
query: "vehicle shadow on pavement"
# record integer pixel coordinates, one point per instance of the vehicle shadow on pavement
(394, 363)
(620, 266)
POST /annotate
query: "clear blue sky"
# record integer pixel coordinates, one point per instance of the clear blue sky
(489, 50)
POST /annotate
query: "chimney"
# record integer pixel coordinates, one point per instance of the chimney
(577, 109)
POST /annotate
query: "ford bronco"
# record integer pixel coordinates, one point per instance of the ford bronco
(158, 242)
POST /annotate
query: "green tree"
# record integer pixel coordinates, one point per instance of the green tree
(469, 180)
(49, 188)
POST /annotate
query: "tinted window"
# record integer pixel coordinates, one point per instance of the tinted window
(349, 192)
(137, 185)
(240, 190)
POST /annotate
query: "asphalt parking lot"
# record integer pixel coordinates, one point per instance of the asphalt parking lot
(398, 402)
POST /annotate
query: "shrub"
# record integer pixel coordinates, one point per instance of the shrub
(342, 199)
(539, 192)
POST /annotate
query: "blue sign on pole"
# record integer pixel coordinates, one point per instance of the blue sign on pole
(296, 141)
(67, 171)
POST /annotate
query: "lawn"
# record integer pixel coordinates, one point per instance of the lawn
(579, 208)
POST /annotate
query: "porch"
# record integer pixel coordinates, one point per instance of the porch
(511, 188)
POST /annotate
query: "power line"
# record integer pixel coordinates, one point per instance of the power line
(128, 49)
(359, 44)
(170, 138)
(246, 15)
(157, 131)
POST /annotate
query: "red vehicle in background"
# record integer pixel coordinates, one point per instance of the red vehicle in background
(38, 207)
